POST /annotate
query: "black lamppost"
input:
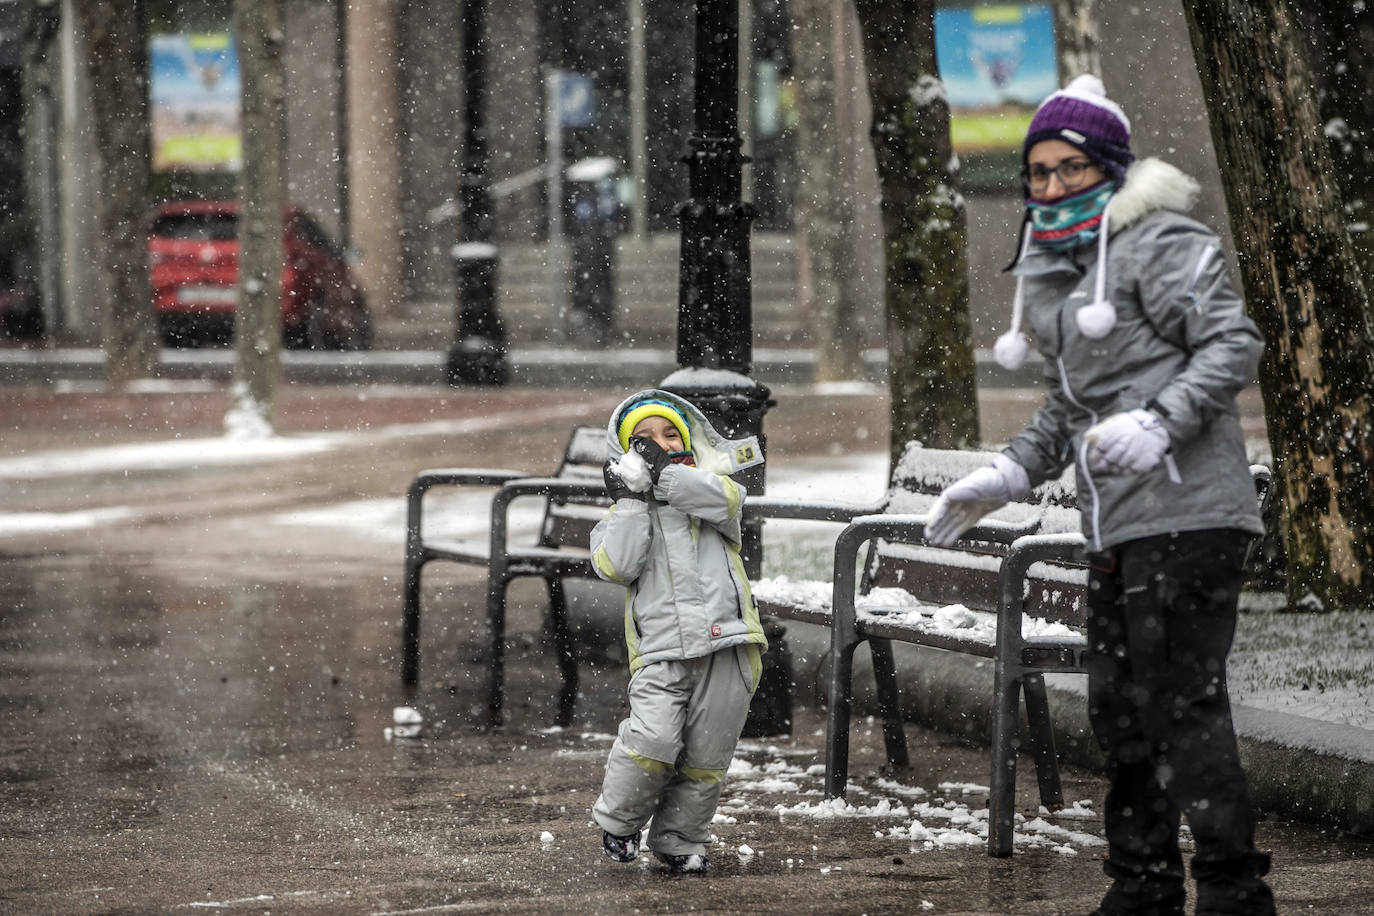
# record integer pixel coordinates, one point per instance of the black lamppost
(478, 354)
(715, 350)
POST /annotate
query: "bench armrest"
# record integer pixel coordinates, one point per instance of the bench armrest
(1023, 553)
(761, 507)
(447, 477)
(531, 486)
(911, 529)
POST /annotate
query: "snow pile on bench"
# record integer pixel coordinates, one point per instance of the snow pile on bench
(895, 606)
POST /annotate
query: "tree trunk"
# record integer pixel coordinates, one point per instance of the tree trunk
(1341, 50)
(262, 196)
(822, 214)
(117, 64)
(1304, 290)
(930, 350)
(1078, 34)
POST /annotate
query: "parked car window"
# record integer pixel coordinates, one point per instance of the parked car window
(197, 227)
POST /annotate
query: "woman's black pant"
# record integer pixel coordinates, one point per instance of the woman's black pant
(1162, 616)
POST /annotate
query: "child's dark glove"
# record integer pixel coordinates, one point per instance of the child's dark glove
(655, 458)
(616, 488)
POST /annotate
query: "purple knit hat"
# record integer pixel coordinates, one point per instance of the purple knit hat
(1082, 116)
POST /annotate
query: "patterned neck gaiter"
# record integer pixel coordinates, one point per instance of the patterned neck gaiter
(1068, 222)
(686, 458)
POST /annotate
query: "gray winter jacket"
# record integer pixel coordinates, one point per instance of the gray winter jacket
(678, 552)
(1182, 347)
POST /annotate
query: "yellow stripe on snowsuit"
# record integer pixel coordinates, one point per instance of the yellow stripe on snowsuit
(632, 636)
(602, 560)
(751, 611)
(755, 655)
(703, 774)
(649, 764)
(732, 496)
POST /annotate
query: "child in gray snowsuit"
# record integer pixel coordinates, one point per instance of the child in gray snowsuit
(694, 638)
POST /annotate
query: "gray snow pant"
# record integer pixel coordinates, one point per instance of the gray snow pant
(670, 759)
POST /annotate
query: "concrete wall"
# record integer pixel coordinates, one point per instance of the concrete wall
(314, 95)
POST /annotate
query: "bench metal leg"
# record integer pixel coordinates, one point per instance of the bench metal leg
(496, 660)
(410, 624)
(1042, 742)
(889, 701)
(563, 646)
(1002, 785)
(837, 722)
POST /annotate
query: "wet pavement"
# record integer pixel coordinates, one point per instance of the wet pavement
(195, 697)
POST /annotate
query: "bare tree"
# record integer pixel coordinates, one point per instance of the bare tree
(817, 33)
(1078, 34)
(929, 340)
(262, 197)
(117, 64)
(1340, 39)
(1304, 289)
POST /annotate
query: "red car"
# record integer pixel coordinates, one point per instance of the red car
(193, 252)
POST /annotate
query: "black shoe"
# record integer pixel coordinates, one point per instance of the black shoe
(679, 865)
(1140, 898)
(620, 848)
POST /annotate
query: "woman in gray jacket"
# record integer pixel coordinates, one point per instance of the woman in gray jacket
(673, 539)
(1146, 345)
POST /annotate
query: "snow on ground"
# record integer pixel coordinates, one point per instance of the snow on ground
(762, 784)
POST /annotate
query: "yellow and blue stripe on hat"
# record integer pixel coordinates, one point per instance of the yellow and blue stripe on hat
(631, 416)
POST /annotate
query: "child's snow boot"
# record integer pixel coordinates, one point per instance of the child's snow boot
(620, 848)
(681, 864)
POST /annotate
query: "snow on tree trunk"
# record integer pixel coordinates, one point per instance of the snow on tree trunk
(262, 195)
(117, 65)
(827, 298)
(1304, 290)
(931, 370)
(1078, 34)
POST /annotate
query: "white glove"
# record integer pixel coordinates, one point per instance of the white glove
(1132, 442)
(970, 498)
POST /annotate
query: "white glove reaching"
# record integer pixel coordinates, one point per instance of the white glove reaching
(1132, 442)
(970, 498)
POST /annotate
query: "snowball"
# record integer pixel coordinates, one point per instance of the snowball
(632, 469)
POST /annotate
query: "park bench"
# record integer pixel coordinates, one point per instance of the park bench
(1011, 589)
(574, 499)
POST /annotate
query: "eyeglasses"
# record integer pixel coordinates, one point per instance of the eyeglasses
(1071, 172)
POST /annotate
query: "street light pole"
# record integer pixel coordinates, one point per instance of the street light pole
(478, 354)
(715, 322)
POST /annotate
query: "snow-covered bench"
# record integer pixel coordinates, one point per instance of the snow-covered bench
(1011, 589)
(574, 500)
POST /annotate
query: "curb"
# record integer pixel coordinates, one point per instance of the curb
(530, 366)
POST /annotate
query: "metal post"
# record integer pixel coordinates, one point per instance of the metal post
(715, 329)
(478, 355)
(557, 247)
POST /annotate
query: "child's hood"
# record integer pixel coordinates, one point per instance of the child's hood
(712, 451)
